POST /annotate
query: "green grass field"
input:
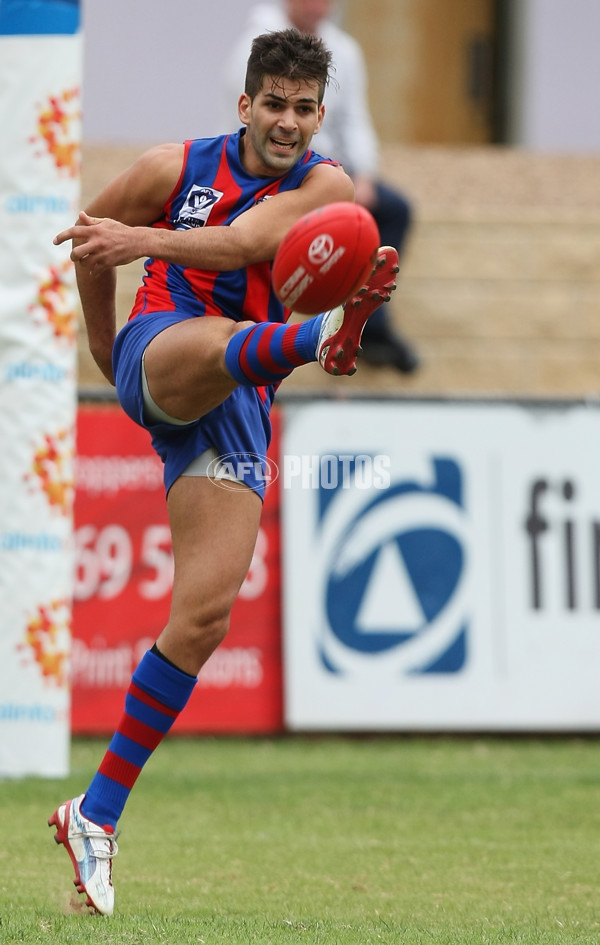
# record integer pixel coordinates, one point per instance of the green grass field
(324, 840)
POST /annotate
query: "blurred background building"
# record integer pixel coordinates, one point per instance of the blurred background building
(487, 116)
(520, 72)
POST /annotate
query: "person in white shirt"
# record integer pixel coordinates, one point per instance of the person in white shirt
(347, 135)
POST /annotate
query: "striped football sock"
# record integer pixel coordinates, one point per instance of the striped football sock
(157, 694)
(267, 353)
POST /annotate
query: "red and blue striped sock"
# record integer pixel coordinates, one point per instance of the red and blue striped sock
(157, 694)
(266, 353)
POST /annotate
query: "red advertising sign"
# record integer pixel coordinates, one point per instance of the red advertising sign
(123, 579)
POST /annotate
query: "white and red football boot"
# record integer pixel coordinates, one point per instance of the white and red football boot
(342, 327)
(92, 849)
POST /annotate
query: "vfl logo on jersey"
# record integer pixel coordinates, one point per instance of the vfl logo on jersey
(197, 207)
(392, 571)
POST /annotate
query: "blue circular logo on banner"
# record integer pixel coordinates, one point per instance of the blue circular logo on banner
(393, 577)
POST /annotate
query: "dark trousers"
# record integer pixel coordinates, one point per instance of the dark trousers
(393, 216)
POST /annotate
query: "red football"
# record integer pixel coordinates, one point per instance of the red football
(325, 257)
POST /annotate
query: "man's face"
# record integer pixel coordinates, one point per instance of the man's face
(307, 14)
(280, 122)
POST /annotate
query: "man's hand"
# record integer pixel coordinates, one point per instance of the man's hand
(101, 243)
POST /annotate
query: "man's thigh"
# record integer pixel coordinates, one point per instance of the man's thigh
(185, 366)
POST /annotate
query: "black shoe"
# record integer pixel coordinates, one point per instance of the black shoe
(388, 349)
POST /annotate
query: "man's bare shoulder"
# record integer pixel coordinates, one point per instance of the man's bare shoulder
(165, 157)
(155, 174)
(138, 194)
(333, 177)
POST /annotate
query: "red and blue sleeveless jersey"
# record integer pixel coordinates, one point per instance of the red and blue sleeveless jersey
(213, 189)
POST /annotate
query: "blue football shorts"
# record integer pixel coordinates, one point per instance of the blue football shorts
(238, 430)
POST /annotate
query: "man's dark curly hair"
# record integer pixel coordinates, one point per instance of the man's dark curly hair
(288, 54)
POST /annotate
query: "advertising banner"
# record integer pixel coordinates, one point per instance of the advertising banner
(441, 566)
(40, 52)
(123, 580)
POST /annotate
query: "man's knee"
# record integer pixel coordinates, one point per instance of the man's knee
(210, 629)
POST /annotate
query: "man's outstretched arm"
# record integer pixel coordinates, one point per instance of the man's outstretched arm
(108, 241)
